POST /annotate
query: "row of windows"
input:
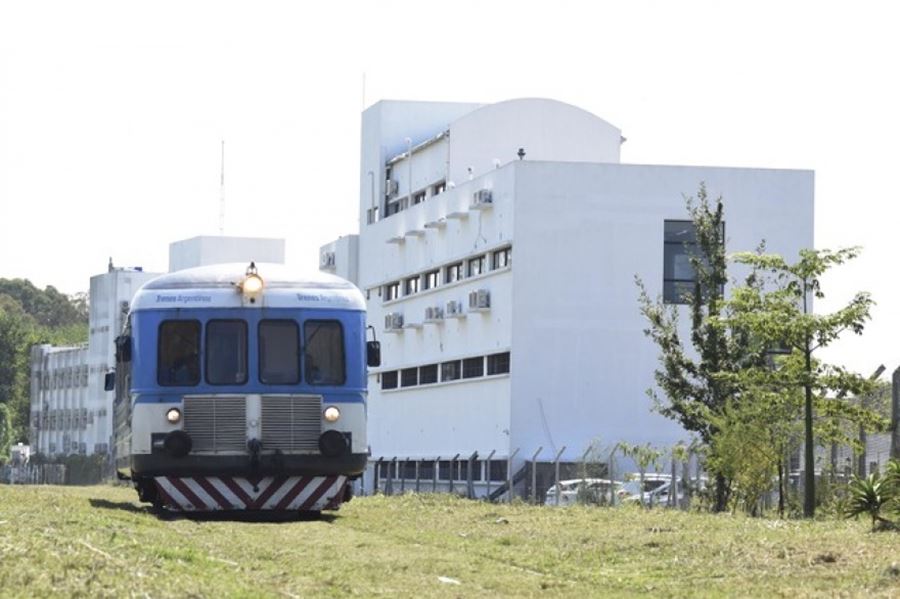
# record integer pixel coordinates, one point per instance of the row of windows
(446, 470)
(394, 206)
(450, 273)
(454, 370)
(73, 376)
(226, 363)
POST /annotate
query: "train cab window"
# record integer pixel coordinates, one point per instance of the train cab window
(324, 352)
(226, 352)
(279, 352)
(178, 353)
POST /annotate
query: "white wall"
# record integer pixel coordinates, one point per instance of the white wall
(203, 251)
(582, 233)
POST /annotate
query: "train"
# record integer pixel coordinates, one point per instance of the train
(242, 388)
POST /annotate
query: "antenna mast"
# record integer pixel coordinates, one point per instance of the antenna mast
(222, 193)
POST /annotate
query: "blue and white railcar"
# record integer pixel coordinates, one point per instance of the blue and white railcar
(243, 389)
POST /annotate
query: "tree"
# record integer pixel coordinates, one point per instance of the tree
(693, 392)
(776, 309)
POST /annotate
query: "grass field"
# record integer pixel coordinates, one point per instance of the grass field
(98, 541)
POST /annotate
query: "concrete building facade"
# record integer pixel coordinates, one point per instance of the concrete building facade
(498, 251)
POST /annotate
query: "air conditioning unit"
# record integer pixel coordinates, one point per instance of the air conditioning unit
(482, 199)
(327, 260)
(434, 314)
(480, 300)
(390, 188)
(393, 322)
(454, 310)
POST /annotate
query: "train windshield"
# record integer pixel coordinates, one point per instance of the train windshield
(324, 352)
(279, 352)
(179, 353)
(226, 352)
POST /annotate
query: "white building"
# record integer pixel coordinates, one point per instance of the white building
(220, 249)
(498, 261)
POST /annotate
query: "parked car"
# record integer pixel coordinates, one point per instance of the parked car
(657, 488)
(583, 490)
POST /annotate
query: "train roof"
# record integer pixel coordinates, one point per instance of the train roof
(217, 286)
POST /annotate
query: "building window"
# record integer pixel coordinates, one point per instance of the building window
(392, 208)
(418, 198)
(392, 291)
(475, 266)
(451, 371)
(411, 285)
(428, 374)
(279, 352)
(226, 352)
(453, 273)
(178, 353)
(679, 247)
(372, 215)
(473, 367)
(323, 352)
(389, 379)
(501, 258)
(439, 188)
(498, 363)
(430, 279)
(409, 377)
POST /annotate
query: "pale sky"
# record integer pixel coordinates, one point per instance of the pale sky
(111, 115)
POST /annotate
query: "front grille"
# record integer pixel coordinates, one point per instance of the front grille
(291, 423)
(216, 424)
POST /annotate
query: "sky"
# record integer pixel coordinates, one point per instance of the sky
(112, 115)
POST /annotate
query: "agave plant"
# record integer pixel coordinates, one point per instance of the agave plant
(868, 496)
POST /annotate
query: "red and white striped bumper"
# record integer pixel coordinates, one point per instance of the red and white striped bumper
(281, 493)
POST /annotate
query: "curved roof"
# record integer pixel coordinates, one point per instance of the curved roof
(217, 286)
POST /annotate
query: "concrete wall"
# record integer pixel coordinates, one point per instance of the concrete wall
(202, 251)
(582, 233)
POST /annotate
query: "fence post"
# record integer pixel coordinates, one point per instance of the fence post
(534, 497)
(610, 472)
(375, 478)
(452, 473)
(487, 471)
(556, 472)
(509, 474)
(470, 476)
(392, 474)
(403, 478)
(417, 476)
(434, 474)
(673, 487)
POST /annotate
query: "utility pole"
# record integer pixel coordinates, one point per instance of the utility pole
(222, 193)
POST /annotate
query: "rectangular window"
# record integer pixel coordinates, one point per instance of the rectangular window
(501, 258)
(418, 198)
(679, 247)
(473, 367)
(475, 266)
(279, 352)
(178, 353)
(497, 469)
(323, 352)
(430, 279)
(411, 286)
(451, 371)
(392, 291)
(498, 363)
(392, 208)
(389, 379)
(409, 377)
(439, 188)
(428, 374)
(453, 273)
(226, 352)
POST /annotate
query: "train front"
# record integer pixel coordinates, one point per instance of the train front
(247, 389)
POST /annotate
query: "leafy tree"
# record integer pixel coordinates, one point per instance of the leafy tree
(776, 309)
(693, 392)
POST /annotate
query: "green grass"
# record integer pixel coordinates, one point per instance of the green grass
(98, 541)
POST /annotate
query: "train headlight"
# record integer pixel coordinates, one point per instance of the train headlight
(331, 414)
(173, 416)
(252, 284)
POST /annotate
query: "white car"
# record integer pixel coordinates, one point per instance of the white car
(657, 488)
(592, 491)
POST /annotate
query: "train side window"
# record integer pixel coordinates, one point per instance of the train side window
(279, 352)
(178, 353)
(226, 352)
(324, 352)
